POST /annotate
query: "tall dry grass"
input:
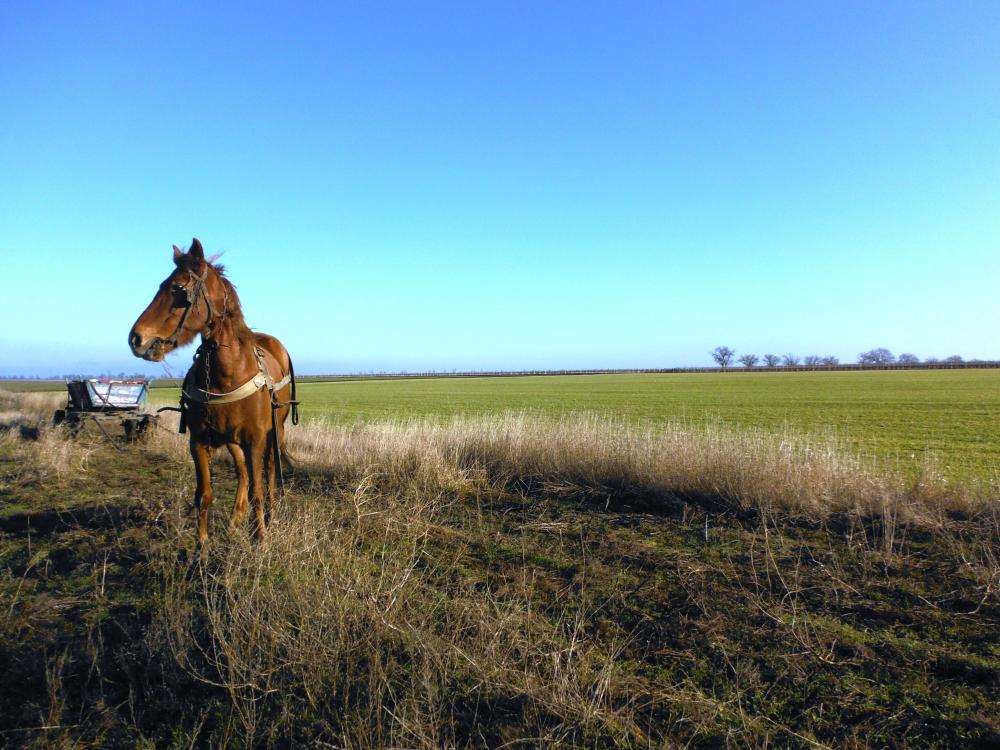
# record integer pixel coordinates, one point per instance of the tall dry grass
(606, 458)
(354, 626)
(26, 426)
(37, 407)
(359, 625)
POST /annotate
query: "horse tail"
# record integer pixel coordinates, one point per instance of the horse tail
(284, 457)
(287, 461)
(295, 402)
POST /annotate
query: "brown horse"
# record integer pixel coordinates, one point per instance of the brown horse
(238, 392)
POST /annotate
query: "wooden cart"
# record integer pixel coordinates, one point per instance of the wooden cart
(107, 401)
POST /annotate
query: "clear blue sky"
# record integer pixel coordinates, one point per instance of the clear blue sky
(505, 185)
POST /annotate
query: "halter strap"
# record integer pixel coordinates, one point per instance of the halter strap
(193, 292)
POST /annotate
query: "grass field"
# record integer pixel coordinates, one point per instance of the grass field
(899, 417)
(895, 417)
(492, 581)
(32, 386)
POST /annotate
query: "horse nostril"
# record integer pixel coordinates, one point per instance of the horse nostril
(135, 340)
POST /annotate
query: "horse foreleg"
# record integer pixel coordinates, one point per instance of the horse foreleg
(256, 460)
(242, 486)
(203, 497)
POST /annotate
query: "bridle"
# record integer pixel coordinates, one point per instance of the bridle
(192, 292)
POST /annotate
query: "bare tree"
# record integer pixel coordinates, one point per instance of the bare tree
(908, 359)
(723, 356)
(830, 361)
(954, 358)
(749, 360)
(880, 356)
(789, 360)
(812, 360)
(931, 360)
(771, 360)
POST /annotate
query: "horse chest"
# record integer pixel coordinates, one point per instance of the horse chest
(242, 422)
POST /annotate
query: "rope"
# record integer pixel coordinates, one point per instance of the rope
(275, 447)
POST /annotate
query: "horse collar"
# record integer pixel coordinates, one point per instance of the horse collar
(261, 380)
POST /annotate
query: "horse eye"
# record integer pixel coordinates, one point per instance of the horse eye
(180, 296)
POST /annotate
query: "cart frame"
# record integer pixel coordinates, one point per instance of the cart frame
(107, 400)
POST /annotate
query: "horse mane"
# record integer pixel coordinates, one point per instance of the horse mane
(234, 310)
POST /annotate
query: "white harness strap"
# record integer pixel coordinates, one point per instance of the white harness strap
(258, 382)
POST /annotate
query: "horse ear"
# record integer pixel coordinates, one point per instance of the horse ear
(178, 253)
(197, 252)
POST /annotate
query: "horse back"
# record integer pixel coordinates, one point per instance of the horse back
(275, 348)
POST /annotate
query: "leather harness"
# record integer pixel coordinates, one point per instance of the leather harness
(259, 381)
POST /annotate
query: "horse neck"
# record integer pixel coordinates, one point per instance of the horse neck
(231, 359)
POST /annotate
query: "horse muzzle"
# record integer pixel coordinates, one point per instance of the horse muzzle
(152, 349)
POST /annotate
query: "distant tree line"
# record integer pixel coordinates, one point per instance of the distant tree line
(724, 356)
(76, 376)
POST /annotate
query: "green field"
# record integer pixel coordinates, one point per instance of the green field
(449, 569)
(32, 386)
(896, 416)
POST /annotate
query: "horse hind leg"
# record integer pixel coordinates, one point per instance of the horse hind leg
(242, 486)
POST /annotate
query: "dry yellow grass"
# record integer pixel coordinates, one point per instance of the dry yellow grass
(353, 611)
(365, 621)
(346, 613)
(26, 423)
(590, 454)
(602, 456)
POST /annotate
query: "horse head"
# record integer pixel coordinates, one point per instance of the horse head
(185, 304)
